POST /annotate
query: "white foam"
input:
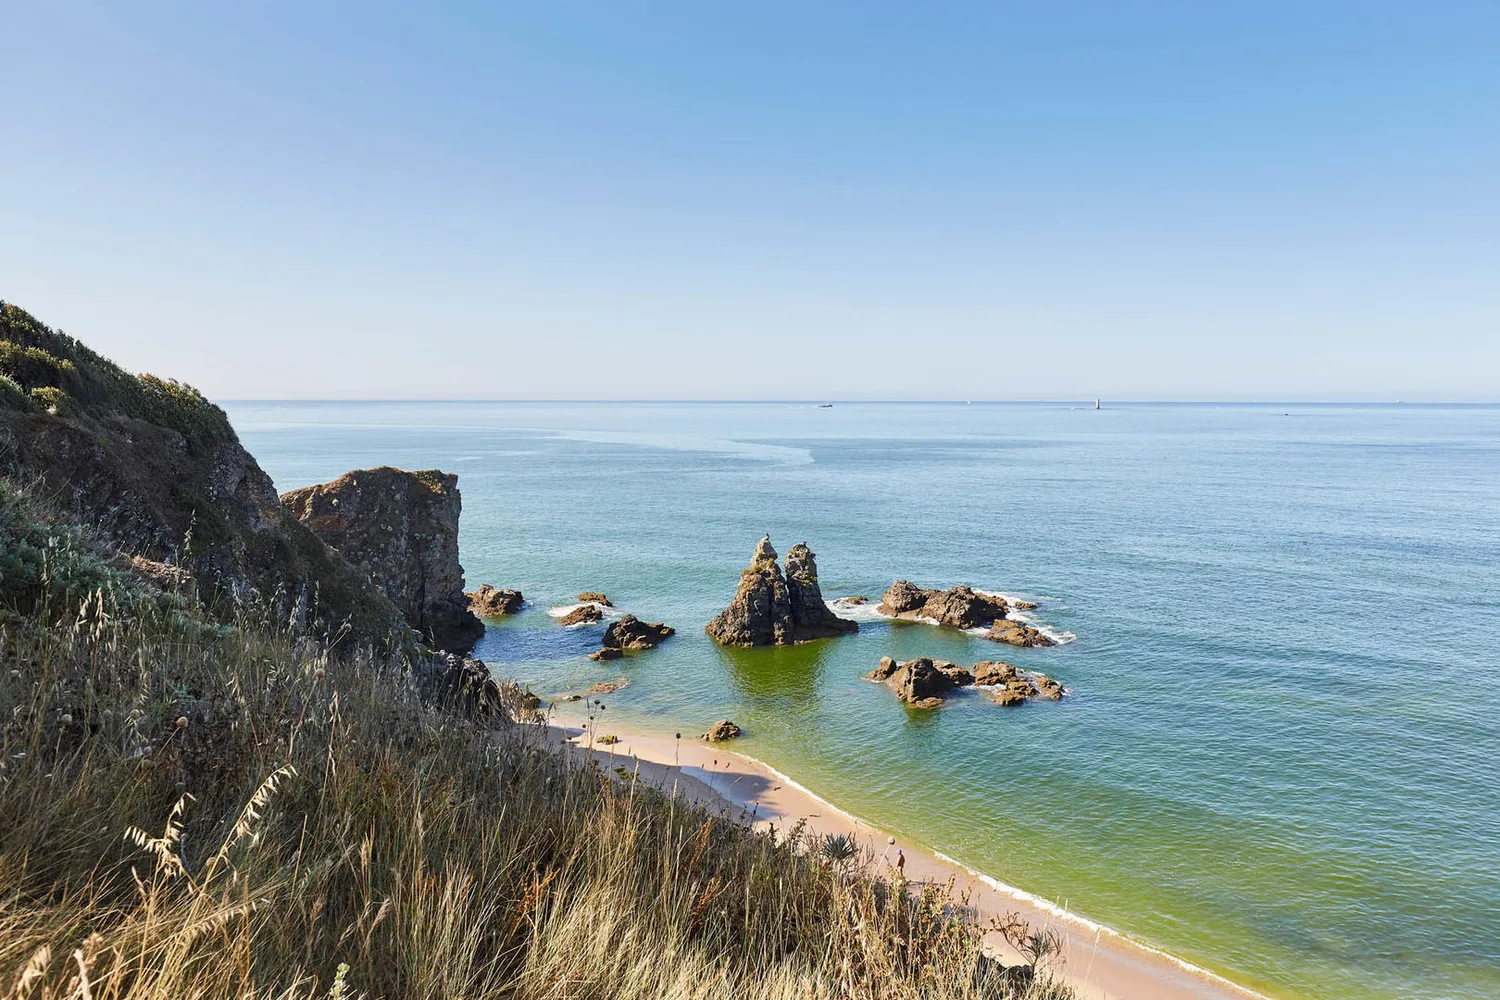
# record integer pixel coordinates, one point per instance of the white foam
(865, 612)
(568, 609)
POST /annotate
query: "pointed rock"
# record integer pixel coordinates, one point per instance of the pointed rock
(770, 608)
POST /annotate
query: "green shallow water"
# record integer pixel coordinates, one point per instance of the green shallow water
(1281, 759)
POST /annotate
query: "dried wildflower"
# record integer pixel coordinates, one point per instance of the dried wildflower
(182, 722)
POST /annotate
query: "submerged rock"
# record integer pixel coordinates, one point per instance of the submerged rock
(720, 731)
(772, 609)
(489, 602)
(402, 528)
(606, 653)
(584, 614)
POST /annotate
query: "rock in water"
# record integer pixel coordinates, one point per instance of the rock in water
(1017, 634)
(761, 612)
(402, 528)
(989, 672)
(811, 617)
(581, 615)
(772, 609)
(920, 683)
(488, 602)
(960, 607)
(629, 632)
(594, 597)
(720, 731)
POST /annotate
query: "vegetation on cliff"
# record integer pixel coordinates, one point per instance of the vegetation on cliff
(155, 471)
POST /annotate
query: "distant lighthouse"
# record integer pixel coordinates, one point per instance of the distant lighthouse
(1096, 404)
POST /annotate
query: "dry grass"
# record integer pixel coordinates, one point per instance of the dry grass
(244, 817)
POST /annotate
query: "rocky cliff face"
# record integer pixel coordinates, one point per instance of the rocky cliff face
(154, 469)
(772, 609)
(402, 528)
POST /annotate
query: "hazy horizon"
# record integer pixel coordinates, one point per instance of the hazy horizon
(1158, 201)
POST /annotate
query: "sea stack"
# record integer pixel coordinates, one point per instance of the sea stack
(771, 609)
(401, 528)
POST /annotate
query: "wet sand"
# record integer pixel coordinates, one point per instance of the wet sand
(1099, 963)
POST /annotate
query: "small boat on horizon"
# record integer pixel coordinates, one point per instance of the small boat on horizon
(825, 406)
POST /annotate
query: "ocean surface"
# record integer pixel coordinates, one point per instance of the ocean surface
(1281, 757)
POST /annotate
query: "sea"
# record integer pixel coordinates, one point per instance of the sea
(1279, 758)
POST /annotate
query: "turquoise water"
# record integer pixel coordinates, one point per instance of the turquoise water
(1282, 757)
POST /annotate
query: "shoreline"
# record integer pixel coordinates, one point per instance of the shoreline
(1100, 962)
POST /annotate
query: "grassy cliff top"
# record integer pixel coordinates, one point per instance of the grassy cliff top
(42, 369)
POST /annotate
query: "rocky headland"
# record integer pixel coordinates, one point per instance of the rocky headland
(156, 472)
(402, 528)
(770, 608)
(925, 682)
(962, 608)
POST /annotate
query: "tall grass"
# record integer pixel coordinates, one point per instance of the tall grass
(196, 815)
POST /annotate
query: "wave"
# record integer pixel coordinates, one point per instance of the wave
(562, 611)
(869, 612)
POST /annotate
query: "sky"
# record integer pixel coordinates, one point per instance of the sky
(1208, 200)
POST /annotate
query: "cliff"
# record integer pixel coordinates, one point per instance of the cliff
(153, 469)
(402, 528)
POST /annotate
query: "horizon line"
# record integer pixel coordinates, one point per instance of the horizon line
(868, 402)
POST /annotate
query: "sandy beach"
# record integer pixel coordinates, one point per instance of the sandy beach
(1099, 963)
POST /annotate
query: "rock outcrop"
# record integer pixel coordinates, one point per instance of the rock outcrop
(924, 682)
(489, 602)
(963, 608)
(584, 614)
(594, 597)
(1017, 634)
(917, 682)
(629, 632)
(401, 528)
(721, 730)
(811, 617)
(769, 610)
(155, 470)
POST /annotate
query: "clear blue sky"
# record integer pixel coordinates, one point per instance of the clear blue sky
(1218, 199)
